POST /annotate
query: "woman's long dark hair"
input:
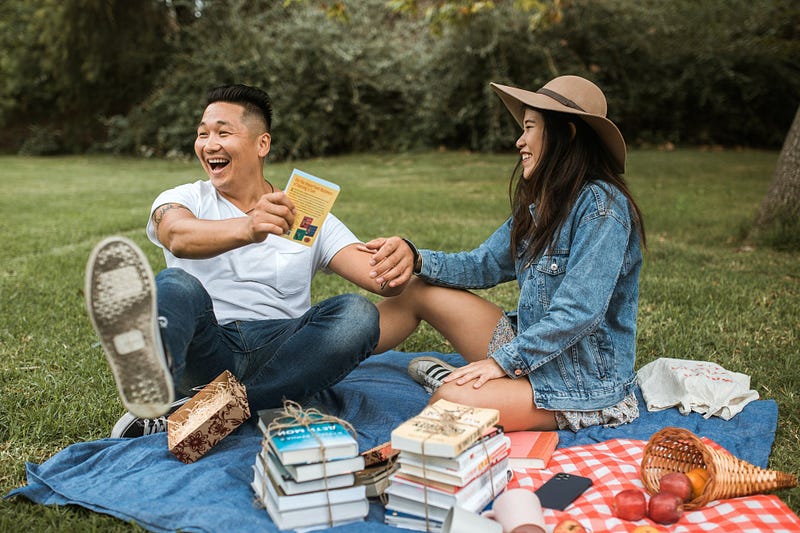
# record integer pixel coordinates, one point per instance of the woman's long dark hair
(566, 164)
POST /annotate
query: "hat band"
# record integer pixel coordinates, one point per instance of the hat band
(560, 99)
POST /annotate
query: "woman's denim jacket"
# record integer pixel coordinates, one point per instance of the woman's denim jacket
(576, 316)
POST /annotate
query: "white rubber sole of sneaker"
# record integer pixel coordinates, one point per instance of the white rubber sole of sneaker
(120, 297)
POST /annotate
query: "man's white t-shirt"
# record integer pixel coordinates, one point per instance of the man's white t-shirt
(266, 280)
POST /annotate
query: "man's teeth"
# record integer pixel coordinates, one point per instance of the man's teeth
(217, 162)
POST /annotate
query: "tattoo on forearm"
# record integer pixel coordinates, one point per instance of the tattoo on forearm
(158, 214)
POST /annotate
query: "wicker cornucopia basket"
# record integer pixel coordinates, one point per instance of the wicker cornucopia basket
(680, 450)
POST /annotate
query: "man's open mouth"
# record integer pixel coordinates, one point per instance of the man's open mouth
(217, 163)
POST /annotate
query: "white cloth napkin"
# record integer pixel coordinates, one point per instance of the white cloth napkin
(698, 386)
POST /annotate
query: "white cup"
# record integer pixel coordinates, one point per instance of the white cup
(459, 520)
(518, 511)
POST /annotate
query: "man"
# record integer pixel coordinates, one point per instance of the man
(235, 295)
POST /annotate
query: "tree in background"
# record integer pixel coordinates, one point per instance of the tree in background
(340, 81)
(67, 63)
(355, 75)
(707, 56)
(778, 220)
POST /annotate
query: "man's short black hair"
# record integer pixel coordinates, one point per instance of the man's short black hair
(254, 100)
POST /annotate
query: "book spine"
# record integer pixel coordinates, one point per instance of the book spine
(544, 446)
(465, 461)
(497, 475)
(481, 498)
(532, 449)
(282, 477)
(456, 478)
(306, 472)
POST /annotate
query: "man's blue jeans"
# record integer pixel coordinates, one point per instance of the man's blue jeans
(274, 359)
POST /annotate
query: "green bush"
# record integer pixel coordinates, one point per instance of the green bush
(337, 86)
(716, 72)
(459, 109)
(711, 72)
(67, 63)
(367, 77)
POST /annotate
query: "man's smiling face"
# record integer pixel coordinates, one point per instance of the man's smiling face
(230, 143)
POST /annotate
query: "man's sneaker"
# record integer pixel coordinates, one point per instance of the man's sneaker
(121, 299)
(429, 372)
(130, 425)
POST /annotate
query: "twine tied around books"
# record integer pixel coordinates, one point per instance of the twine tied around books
(294, 415)
(390, 464)
(447, 424)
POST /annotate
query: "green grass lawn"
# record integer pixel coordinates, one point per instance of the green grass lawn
(703, 295)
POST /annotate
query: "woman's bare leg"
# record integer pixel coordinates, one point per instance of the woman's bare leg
(467, 321)
(463, 318)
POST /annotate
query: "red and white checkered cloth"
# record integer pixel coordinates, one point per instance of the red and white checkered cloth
(614, 466)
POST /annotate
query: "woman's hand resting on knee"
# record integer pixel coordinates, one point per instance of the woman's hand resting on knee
(479, 371)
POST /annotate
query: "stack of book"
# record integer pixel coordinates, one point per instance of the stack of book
(380, 463)
(450, 455)
(304, 475)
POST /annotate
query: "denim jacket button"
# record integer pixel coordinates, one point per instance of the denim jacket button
(554, 267)
(517, 372)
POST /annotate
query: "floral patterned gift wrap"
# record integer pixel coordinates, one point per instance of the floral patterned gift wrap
(213, 413)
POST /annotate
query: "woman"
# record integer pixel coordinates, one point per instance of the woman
(565, 358)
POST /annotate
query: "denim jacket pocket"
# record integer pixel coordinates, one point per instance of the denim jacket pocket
(549, 274)
(593, 346)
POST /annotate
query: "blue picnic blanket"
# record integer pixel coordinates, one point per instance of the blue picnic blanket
(140, 480)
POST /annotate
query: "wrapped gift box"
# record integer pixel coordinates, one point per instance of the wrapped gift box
(213, 413)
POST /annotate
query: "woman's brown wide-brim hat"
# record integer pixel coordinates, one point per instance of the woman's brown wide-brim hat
(573, 95)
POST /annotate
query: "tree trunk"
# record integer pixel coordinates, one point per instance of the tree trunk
(779, 215)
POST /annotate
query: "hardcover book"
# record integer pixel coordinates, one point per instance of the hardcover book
(531, 449)
(379, 454)
(323, 516)
(284, 480)
(413, 507)
(477, 490)
(437, 510)
(264, 485)
(266, 416)
(465, 461)
(307, 472)
(444, 429)
(457, 478)
(323, 441)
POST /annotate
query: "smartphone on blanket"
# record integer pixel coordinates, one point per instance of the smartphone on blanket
(561, 490)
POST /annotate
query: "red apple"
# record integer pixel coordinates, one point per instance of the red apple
(665, 508)
(569, 525)
(630, 505)
(676, 483)
(646, 529)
